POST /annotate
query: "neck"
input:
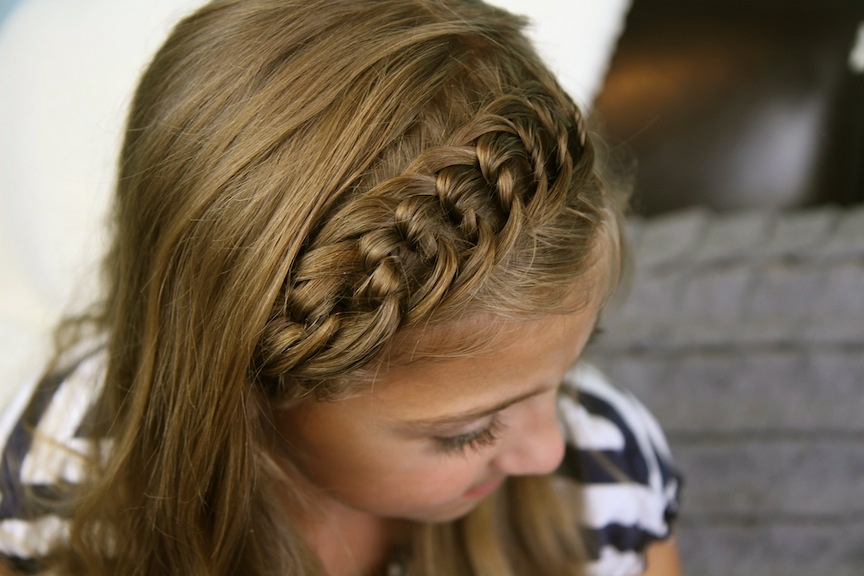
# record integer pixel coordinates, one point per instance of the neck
(349, 542)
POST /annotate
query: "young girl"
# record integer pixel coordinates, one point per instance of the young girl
(358, 245)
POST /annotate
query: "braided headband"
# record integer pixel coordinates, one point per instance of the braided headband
(421, 240)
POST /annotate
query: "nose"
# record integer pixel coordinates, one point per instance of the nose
(536, 446)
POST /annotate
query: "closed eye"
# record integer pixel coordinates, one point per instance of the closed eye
(475, 440)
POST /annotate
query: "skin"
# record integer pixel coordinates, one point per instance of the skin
(427, 443)
(662, 559)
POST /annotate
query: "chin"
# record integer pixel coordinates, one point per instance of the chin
(448, 513)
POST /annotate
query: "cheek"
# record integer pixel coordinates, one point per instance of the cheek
(406, 473)
(403, 483)
(375, 471)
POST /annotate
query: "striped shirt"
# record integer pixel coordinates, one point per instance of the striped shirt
(615, 450)
(618, 453)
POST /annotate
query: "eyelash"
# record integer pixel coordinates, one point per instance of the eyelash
(474, 440)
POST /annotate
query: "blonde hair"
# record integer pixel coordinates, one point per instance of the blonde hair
(301, 183)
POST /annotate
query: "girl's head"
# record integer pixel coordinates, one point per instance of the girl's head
(315, 192)
(302, 181)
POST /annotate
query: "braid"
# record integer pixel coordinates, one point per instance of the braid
(420, 242)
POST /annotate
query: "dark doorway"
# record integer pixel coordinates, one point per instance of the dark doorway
(734, 104)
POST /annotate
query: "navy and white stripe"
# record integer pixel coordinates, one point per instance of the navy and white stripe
(615, 450)
(43, 449)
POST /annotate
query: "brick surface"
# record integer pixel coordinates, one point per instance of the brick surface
(703, 333)
(744, 335)
(714, 393)
(766, 478)
(837, 387)
(644, 375)
(763, 333)
(848, 238)
(671, 240)
(837, 331)
(800, 234)
(778, 548)
(787, 391)
(785, 289)
(693, 393)
(843, 295)
(736, 236)
(838, 313)
(654, 295)
(721, 292)
(805, 390)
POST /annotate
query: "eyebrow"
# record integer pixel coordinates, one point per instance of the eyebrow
(433, 424)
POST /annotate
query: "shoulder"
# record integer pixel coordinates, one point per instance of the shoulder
(618, 454)
(600, 417)
(44, 444)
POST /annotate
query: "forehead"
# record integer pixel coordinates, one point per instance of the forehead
(480, 334)
(517, 355)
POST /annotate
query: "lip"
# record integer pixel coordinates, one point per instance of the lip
(483, 489)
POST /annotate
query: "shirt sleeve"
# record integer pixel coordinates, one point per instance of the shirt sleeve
(618, 453)
(43, 447)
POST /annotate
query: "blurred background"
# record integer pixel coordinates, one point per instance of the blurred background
(739, 104)
(742, 123)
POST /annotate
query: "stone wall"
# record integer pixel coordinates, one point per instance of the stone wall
(745, 335)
